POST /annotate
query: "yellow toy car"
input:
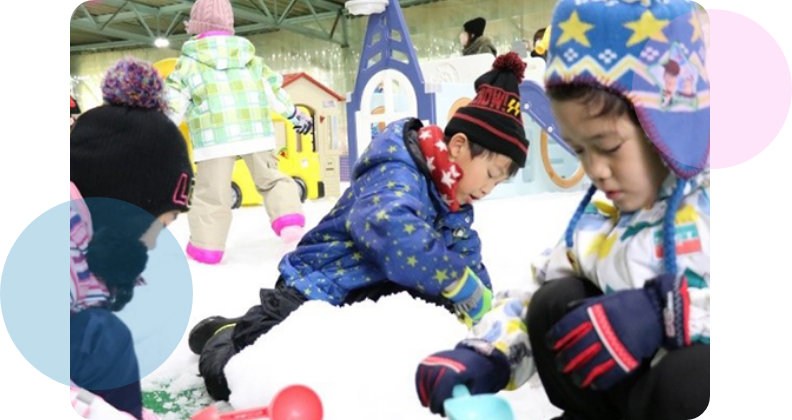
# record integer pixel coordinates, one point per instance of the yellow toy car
(298, 159)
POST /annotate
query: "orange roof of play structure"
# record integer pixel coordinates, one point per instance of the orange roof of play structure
(293, 77)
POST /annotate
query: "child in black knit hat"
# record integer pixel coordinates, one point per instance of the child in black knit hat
(473, 39)
(130, 177)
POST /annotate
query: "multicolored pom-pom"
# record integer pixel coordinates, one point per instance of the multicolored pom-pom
(134, 84)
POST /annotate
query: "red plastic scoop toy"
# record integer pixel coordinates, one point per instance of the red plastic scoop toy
(296, 402)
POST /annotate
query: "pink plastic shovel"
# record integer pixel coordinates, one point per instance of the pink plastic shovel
(296, 402)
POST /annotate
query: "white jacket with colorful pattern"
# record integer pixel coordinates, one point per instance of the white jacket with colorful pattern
(615, 252)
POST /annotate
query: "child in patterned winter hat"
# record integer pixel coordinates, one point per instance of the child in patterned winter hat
(653, 249)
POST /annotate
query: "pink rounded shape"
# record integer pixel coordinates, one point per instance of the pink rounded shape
(204, 256)
(297, 402)
(749, 69)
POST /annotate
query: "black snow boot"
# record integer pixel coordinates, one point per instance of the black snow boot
(205, 329)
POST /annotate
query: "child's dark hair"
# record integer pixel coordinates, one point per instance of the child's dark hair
(477, 150)
(539, 35)
(609, 102)
(672, 68)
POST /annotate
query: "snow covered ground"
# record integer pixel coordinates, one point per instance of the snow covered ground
(360, 359)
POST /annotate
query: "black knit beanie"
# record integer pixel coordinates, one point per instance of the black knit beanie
(475, 27)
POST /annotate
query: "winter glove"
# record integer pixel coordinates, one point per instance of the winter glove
(471, 297)
(302, 123)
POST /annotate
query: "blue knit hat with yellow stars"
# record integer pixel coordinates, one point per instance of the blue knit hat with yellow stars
(651, 52)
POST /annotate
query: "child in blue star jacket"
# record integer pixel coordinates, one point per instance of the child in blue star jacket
(403, 224)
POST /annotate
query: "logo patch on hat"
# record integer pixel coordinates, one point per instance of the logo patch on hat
(677, 79)
(184, 190)
(498, 100)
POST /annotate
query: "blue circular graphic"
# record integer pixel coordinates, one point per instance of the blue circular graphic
(107, 349)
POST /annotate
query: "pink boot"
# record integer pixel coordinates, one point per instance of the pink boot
(289, 227)
(291, 234)
(204, 256)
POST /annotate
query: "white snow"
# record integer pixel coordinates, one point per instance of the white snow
(361, 359)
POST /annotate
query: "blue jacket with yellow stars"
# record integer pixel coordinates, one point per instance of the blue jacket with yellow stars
(389, 226)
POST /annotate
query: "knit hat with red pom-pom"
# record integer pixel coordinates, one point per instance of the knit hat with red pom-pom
(493, 119)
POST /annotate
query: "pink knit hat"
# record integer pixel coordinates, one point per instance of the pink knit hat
(210, 15)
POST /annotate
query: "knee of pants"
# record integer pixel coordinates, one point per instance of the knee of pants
(551, 302)
(663, 394)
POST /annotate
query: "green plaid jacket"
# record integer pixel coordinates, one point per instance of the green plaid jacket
(226, 94)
